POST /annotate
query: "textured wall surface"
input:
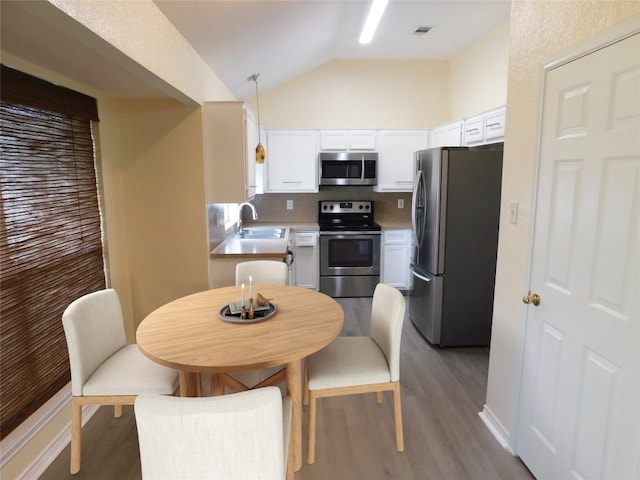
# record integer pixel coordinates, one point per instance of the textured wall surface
(540, 30)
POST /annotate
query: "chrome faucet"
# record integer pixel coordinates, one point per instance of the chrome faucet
(253, 210)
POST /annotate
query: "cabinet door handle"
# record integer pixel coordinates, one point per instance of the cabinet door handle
(473, 130)
(292, 181)
(491, 125)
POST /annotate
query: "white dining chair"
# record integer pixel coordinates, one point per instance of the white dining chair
(238, 436)
(104, 369)
(352, 365)
(261, 272)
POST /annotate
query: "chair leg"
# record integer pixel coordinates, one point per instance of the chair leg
(305, 396)
(117, 411)
(311, 440)
(379, 397)
(397, 414)
(76, 435)
(289, 465)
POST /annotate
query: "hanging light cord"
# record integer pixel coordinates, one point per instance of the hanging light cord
(254, 78)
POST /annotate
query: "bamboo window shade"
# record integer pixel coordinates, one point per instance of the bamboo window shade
(50, 235)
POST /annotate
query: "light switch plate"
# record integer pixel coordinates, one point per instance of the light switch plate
(401, 203)
(513, 212)
(289, 204)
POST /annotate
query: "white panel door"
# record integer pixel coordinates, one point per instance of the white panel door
(579, 413)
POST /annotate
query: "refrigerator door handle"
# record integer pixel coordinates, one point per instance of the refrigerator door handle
(421, 277)
(416, 209)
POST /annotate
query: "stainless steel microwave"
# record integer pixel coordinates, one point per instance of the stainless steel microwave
(348, 168)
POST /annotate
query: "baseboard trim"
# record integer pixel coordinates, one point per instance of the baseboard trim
(30, 428)
(497, 429)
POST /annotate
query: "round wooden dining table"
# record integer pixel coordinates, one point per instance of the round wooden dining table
(188, 335)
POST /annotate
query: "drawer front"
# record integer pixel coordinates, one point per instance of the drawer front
(396, 236)
(306, 239)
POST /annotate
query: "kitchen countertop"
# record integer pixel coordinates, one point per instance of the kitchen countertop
(276, 249)
(260, 249)
(257, 249)
(303, 226)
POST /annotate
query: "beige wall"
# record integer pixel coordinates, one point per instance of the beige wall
(361, 94)
(478, 75)
(163, 212)
(140, 31)
(539, 31)
(393, 93)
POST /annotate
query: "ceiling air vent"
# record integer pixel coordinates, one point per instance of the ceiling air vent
(421, 30)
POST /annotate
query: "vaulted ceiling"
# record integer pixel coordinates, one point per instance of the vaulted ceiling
(283, 39)
(279, 39)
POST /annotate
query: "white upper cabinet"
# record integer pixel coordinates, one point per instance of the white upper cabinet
(396, 150)
(494, 123)
(485, 128)
(292, 161)
(448, 135)
(474, 130)
(229, 152)
(347, 139)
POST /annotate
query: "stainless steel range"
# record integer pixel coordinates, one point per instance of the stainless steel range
(349, 248)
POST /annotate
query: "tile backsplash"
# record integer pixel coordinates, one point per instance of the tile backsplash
(272, 208)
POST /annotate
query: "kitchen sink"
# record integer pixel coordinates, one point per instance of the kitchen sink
(261, 233)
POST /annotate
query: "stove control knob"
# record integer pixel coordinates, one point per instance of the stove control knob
(367, 207)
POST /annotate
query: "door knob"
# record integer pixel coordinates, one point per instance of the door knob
(531, 298)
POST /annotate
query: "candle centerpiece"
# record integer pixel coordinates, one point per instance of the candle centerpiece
(243, 313)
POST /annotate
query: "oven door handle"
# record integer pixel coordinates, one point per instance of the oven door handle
(362, 168)
(350, 233)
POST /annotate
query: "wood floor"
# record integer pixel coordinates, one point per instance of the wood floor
(442, 392)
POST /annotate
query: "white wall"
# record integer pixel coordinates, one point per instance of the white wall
(539, 31)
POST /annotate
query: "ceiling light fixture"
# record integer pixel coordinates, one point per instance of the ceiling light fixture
(375, 14)
(260, 153)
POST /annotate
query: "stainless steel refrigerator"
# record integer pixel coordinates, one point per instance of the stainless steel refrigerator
(455, 217)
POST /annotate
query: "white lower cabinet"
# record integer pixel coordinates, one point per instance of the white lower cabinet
(306, 268)
(396, 255)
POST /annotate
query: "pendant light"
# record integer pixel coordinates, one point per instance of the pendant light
(260, 153)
